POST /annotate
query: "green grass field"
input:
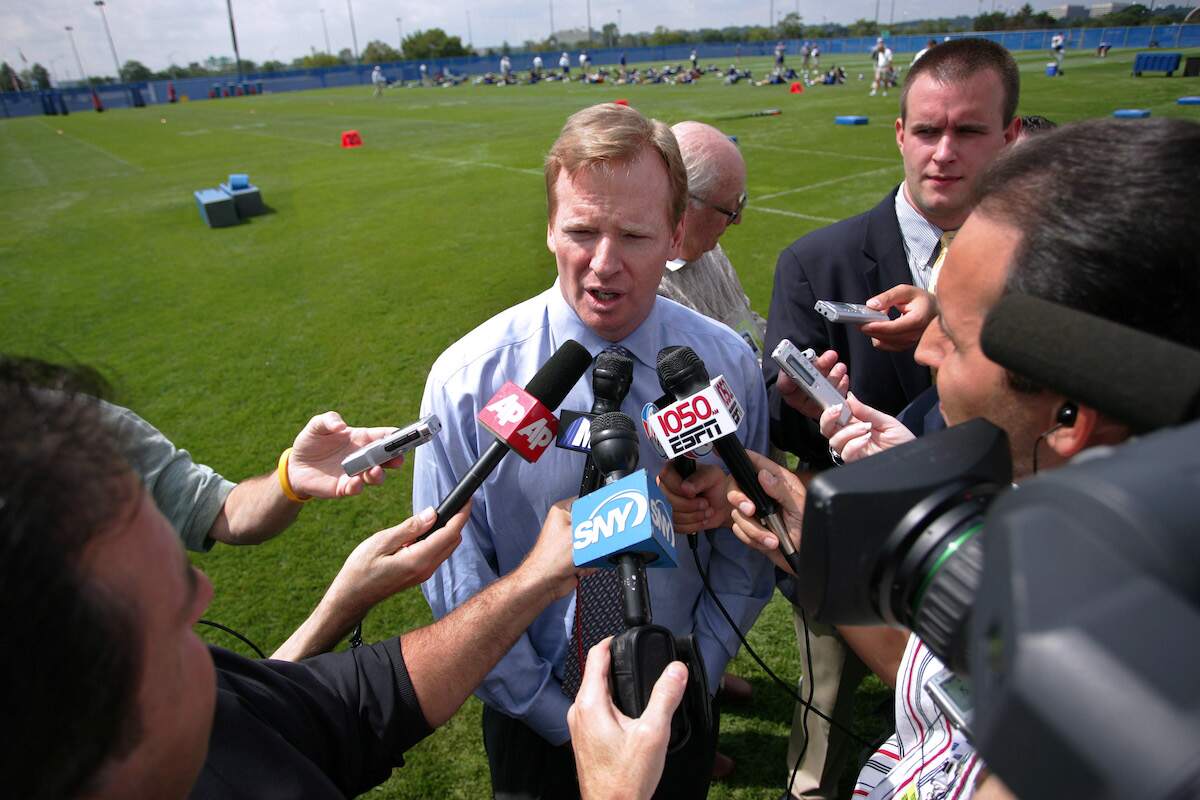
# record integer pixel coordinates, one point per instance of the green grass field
(372, 262)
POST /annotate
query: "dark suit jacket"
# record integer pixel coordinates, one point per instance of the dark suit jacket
(850, 261)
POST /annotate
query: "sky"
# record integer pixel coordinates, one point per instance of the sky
(159, 32)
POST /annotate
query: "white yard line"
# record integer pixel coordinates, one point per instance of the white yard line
(830, 182)
(458, 162)
(97, 148)
(824, 153)
(795, 214)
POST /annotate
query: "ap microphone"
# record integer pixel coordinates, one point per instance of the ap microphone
(1134, 377)
(685, 375)
(521, 420)
(626, 524)
(611, 379)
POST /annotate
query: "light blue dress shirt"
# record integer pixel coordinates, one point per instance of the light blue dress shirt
(510, 507)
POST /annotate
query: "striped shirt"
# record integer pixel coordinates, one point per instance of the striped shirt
(920, 237)
(926, 758)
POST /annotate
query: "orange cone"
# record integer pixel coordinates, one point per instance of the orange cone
(797, 88)
(351, 139)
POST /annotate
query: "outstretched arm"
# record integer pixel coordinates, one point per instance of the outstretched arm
(259, 508)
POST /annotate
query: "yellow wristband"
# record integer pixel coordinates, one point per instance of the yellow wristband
(284, 484)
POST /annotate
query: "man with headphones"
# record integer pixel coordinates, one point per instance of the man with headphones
(1040, 229)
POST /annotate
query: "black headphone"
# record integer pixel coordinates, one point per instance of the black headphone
(1067, 414)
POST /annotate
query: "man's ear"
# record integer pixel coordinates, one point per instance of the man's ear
(1013, 130)
(900, 134)
(550, 237)
(1091, 428)
(677, 237)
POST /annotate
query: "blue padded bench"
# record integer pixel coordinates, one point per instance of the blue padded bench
(1131, 113)
(850, 119)
(247, 199)
(1156, 62)
(217, 209)
(1188, 101)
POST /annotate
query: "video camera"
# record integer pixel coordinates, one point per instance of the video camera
(1069, 607)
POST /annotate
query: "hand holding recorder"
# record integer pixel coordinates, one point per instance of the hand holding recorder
(827, 364)
(314, 467)
(864, 432)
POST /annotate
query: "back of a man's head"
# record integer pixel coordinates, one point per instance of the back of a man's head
(709, 157)
(607, 134)
(71, 653)
(961, 59)
(1107, 214)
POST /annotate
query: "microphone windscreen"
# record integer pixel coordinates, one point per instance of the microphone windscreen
(562, 371)
(1141, 380)
(614, 443)
(680, 370)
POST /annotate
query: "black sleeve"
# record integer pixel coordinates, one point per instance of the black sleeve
(347, 716)
(793, 317)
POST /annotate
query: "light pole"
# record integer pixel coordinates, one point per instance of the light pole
(551, 19)
(353, 33)
(116, 62)
(892, 15)
(325, 28)
(237, 56)
(620, 26)
(589, 19)
(470, 38)
(400, 32)
(79, 62)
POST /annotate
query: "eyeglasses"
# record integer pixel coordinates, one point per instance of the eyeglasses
(734, 215)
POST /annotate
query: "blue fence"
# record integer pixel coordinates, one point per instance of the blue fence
(120, 95)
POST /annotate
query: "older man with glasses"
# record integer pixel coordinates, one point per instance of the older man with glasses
(702, 277)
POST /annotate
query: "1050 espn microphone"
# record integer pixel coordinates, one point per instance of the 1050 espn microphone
(611, 378)
(685, 375)
(522, 421)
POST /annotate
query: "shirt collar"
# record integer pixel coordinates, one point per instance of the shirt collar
(644, 343)
(920, 235)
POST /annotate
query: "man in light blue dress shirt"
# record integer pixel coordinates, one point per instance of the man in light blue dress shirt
(616, 192)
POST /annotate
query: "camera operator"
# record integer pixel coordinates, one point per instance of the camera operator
(1047, 224)
(99, 603)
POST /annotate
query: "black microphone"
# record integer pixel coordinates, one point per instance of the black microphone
(683, 465)
(615, 450)
(1138, 379)
(685, 374)
(550, 385)
(611, 378)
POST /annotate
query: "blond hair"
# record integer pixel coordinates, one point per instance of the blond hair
(607, 134)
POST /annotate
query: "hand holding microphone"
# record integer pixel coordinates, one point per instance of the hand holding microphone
(683, 371)
(784, 487)
(619, 757)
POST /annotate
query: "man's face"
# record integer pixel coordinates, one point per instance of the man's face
(952, 132)
(969, 384)
(145, 565)
(611, 234)
(704, 224)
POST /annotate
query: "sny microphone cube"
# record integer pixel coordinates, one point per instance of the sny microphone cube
(519, 420)
(630, 515)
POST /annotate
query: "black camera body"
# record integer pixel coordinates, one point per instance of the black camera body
(1070, 605)
(639, 656)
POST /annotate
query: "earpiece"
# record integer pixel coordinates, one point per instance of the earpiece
(1067, 414)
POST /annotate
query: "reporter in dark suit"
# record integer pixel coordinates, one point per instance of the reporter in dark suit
(957, 113)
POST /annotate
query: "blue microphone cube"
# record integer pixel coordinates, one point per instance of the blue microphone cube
(628, 516)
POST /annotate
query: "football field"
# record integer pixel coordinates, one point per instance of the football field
(371, 262)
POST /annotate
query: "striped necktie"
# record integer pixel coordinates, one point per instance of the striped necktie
(943, 247)
(598, 614)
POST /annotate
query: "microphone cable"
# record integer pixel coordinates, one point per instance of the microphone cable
(762, 664)
(232, 632)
